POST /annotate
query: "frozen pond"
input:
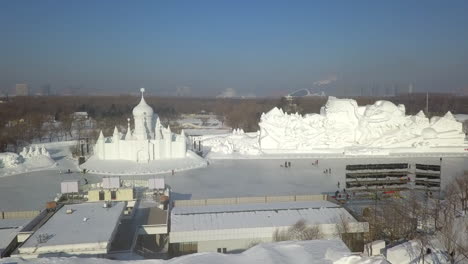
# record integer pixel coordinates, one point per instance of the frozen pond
(222, 178)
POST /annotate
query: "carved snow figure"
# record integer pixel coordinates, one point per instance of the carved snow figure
(24, 152)
(37, 151)
(44, 151)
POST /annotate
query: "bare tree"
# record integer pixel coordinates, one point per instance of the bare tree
(299, 231)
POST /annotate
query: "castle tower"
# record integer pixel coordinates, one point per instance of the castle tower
(100, 146)
(116, 141)
(143, 115)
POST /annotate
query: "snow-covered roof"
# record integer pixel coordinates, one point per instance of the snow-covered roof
(9, 228)
(90, 225)
(13, 223)
(252, 207)
(197, 218)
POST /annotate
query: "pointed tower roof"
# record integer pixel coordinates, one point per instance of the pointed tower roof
(128, 135)
(142, 108)
(449, 115)
(116, 131)
(101, 136)
(182, 133)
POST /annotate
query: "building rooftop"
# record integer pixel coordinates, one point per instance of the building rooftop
(89, 227)
(9, 228)
(197, 218)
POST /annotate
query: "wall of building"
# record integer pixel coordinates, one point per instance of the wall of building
(231, 245)
(251, 234)
(247, 200)
(122, 194)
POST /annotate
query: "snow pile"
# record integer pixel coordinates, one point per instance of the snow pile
(30, 159)
(289, 252)
(9, 160)
(414, 252)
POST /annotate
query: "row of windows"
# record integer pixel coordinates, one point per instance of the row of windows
(390, 166)
(428, 167)
(102, 195)
(380, 175)
(428, 184)
(376, 183)
(428, 176)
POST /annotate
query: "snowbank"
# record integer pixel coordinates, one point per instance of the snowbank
(289, 252)
(128, 167)
(413, 252)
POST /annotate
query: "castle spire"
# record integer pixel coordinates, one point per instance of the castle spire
(128, 136)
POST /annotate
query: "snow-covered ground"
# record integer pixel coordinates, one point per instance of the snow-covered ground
(220, 179)
(289, 252)
(461, 117)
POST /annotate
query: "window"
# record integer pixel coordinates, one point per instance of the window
(101, 196)
(113, 195)
(222, 250)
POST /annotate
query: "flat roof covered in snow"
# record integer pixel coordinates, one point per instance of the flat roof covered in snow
(89, 228)
(9, 228)
(199, 218)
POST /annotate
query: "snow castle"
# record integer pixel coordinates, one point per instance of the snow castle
(149, 140)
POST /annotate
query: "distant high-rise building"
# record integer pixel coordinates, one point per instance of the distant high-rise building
(22, 89)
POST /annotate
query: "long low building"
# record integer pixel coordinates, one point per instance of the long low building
(75, 230)
(236, 227)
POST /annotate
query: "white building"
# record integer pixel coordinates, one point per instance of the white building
(235, 224)
(75, 230)
(149, 140)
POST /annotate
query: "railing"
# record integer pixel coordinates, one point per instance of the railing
(18, 214)
(246, 200)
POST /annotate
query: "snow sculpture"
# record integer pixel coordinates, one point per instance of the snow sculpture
(24, 152)
(37, 151)
(342, 123)
(34, 151)
(44, 151)
(149, 140)
(238, 131)
(9, 160)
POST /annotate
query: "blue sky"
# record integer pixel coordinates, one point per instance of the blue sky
(254, 47)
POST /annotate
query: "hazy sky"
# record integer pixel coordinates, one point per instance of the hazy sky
(246, 47)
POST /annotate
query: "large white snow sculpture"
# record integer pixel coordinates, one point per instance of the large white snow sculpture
(146, 142)
(342, 123)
